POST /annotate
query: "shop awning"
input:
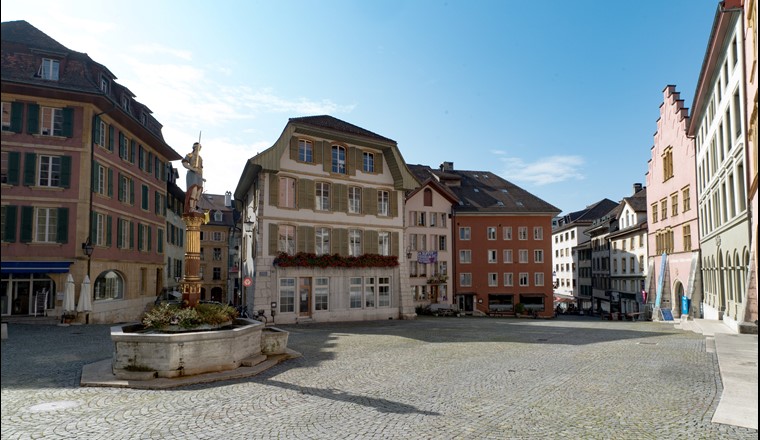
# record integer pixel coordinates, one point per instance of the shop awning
(35, 266)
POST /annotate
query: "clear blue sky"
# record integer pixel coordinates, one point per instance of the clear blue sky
(560, 97)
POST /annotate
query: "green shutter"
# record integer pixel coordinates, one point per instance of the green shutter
(160, 242)
(68, 122)
(122, 146)
(119, 233)
(306, 194)
(139, 236)
(27, 224)
(317, 150)
(131, 192)
(369, 201)
(351, 162)
(294, 148)
(110, 182)
(11, 212)
(132, 151)
(340, 198)
(394, 244)
(274, 189)
(93, 226)
(33, 119)
(109, 229)
(327, 157)
(110, 138)
(96, 131)
(140, 157)
(393, 202)
(370, 242)
(131, 235)
(273, 230)
(379, 163)
(30, 169)
(144, 198)
(305, 239)
(17, 117)
(65, 171)
(62, 234)
(339, 241)
(94, 176)
(150, 238)
(14, 163)
(157, 203)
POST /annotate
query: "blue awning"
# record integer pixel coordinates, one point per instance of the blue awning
(35, 266)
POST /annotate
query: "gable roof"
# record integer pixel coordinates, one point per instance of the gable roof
(332, 123)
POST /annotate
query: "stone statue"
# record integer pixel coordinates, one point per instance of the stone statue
(194, 179)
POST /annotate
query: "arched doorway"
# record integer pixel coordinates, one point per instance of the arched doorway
(678, 298)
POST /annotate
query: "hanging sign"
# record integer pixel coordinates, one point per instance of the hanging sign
(247, 281)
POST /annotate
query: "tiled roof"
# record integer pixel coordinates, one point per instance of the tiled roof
(638, 201)
(329, 122)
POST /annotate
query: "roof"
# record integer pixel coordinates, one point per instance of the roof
(586, 215)
(215, 202)
(638, 201)
(486, 192)
(332, 123)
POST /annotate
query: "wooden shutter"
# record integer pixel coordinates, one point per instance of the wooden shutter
(393, 203)
(139, 236)
(394, 244)
(150, 237)
(33, 119)
(17, 117)
(274, 189)
(119, 233)
(110, 182)
(339, 241)
(379, 162)
(131, 192)
(273, 231)
(294, 148)
(11, 213)
(30, 169)
(65, 171)
(131, 235)
(108, 230)
(317, 150)
(160, 241)
(340, 198)
(94, 176)
(306, 194)
(96, 131)
(305, 239)
(370, 242)
(68, 122)
(110, 138)
(132, 151)
(27, 224)
(351, 160)
(14, 170)
(369, 202)
(327, 156)
(62, 228)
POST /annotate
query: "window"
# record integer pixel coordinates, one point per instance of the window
(286, 239)
(667, 164)
(368, 162)
(338, 159)
(654, 212)
(623, 266)
(46, 225)
(492, 256)
(384, 243)
(687, 237)
(124, 234)
(524, 279)
(287, 295)
(287, 193)
(217, 235)
(686, 199)
(354, 242)
(509, 279)
(522, 233)
(322, 241)
(322, 196)
(433, 216)
(125, 102)
(538, 279)
(507, 232)
(305, 151)
(493, 280)
(160, 201)
(464, 233)
(108, 285)
(508, 255)
(465, 279)
(491, 233)
(217, 274)
(369, 292)
(664, 209)
(465, 256)
(144, 202)
(7, 109)
(51, 123)
(383, 292)
(538, 233)
(100, 229)
(354, 200)
(321, 293)
(674, 204)
(143, 237)
(49, 171)
(355, 293)
(217, 254)
(538, 256)
(523, 253)
(49, 69)
(441, 242)
(427, 197)
(383, 202)
(101, 131)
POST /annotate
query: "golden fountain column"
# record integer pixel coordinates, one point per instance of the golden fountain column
(193, 217)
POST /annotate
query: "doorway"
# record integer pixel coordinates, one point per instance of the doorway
(304, 297)
(466, 303)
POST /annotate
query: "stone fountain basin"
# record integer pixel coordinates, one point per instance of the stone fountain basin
(273, 341)
(145, 355)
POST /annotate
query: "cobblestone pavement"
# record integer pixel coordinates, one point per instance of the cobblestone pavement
(432, 378)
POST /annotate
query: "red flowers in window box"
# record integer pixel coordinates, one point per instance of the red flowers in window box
(303, 259)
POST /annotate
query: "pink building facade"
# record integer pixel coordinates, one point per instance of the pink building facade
(672, 212)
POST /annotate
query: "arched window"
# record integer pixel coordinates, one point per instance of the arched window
(428, 197)
(338, 159)
(109, 285)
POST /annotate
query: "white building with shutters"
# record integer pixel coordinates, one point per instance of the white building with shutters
(323, 225)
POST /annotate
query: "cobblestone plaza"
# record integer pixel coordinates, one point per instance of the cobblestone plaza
(430, 378)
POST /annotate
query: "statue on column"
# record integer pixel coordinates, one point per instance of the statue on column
(194, 179)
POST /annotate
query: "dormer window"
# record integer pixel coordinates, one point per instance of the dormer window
(49, 69)
(143, 119)
(125, 103)
(104, 84)
(218, 216)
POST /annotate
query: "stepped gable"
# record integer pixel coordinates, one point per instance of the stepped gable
(332, 123)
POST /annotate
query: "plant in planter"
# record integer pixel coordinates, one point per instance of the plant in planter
(519, 308)
(171, 316)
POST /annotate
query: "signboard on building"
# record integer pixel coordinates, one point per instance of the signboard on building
(427, 257)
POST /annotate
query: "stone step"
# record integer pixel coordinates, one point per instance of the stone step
(254, 360)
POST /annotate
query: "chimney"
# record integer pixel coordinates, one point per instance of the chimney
(228, 199)
(636, 187)
(447, 166)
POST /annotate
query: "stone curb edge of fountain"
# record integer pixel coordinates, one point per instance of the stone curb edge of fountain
(99, 374)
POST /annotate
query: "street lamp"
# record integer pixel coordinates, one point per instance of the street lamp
(88, 248)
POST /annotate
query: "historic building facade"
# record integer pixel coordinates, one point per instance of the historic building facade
(323, 225)
(83, 179)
